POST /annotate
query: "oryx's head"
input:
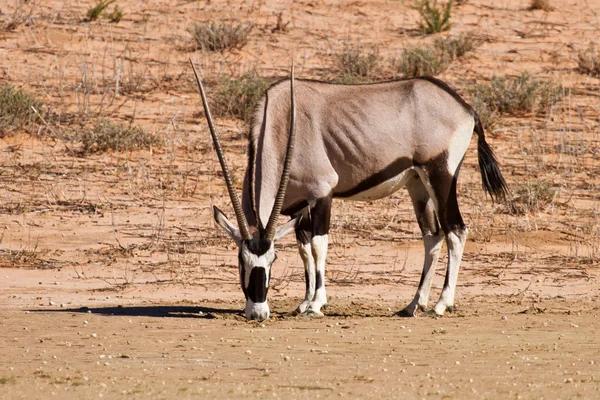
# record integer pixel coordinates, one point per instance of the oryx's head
(256, 246)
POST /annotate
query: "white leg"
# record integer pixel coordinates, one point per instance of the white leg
(455, 241)
(319, 252)
(433, 245)
(309, 275)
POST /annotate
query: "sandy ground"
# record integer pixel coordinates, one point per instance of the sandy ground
(115, 283)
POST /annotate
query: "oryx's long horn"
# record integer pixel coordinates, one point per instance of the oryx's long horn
(272, 224)
(237, 207)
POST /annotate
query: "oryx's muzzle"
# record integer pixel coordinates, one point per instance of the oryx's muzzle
(257, 311)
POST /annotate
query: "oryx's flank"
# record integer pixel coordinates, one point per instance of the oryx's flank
(355, 142)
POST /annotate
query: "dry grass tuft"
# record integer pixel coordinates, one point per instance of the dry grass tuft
(588, 61)
(516, 95)
(237, 98)
(532, 196)
(432, 60)
(16, 110)
(356, 67)
(106, 135)
(541, 5)
(218, 37)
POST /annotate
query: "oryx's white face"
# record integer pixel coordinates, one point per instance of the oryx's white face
(255, 256)
(255, 259)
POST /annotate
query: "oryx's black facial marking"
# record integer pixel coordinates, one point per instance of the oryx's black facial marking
(242, 266)
(257, 289)
(385, 174)
(258, 245)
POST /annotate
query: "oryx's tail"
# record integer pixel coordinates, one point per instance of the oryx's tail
(492, 179)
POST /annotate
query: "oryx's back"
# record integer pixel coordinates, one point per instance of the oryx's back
(353, 137)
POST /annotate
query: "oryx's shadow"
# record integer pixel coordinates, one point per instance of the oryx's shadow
(150, 311)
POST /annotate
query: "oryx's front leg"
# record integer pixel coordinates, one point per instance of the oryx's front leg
(303, 238)
(313, 251)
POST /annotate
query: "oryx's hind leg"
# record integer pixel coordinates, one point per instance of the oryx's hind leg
(432, 239)
(312, 238)
(441, 184)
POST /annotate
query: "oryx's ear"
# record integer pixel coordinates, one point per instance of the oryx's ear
(227, 226)
(287, 227)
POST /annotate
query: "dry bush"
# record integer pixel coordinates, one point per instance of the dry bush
(434, 18)
(541, 5)
(419, 61)
(280, 26)
(237, 97)
(532, 196)
(518, 95)
(16, 110)
(20, 16)
(588, 61)
(434, 59)
(356, 67)
(223, 36)
(106, 135)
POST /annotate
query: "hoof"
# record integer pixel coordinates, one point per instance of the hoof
(432, 314)
(312, 314)
(405, 313)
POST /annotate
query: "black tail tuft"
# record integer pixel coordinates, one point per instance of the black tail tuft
(492, 179)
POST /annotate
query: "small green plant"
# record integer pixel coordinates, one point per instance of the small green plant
(237, 97)
(533, 196)
(106, 135)
(434, 59)
(357, 67)
(95, 12)
(116, 15)
(517, 95)
(16, 110)
(588, 62)
(434, 18)
(4, 380)
(218, 37)
(541, 5)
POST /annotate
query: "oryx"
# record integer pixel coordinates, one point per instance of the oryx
(313, 141)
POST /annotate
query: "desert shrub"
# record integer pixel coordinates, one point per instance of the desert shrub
(588, 61)
(541, 5)
(20, 16)
(532, 196)
(434, 59)
(106, 135)
(16, 110)
(454, 47)
(280, 26)
(95, 12)
(237, 97)
(116, 15)
(223, 36)
(419, 61)
(354, 66)
(434, 18)
(520, 94)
